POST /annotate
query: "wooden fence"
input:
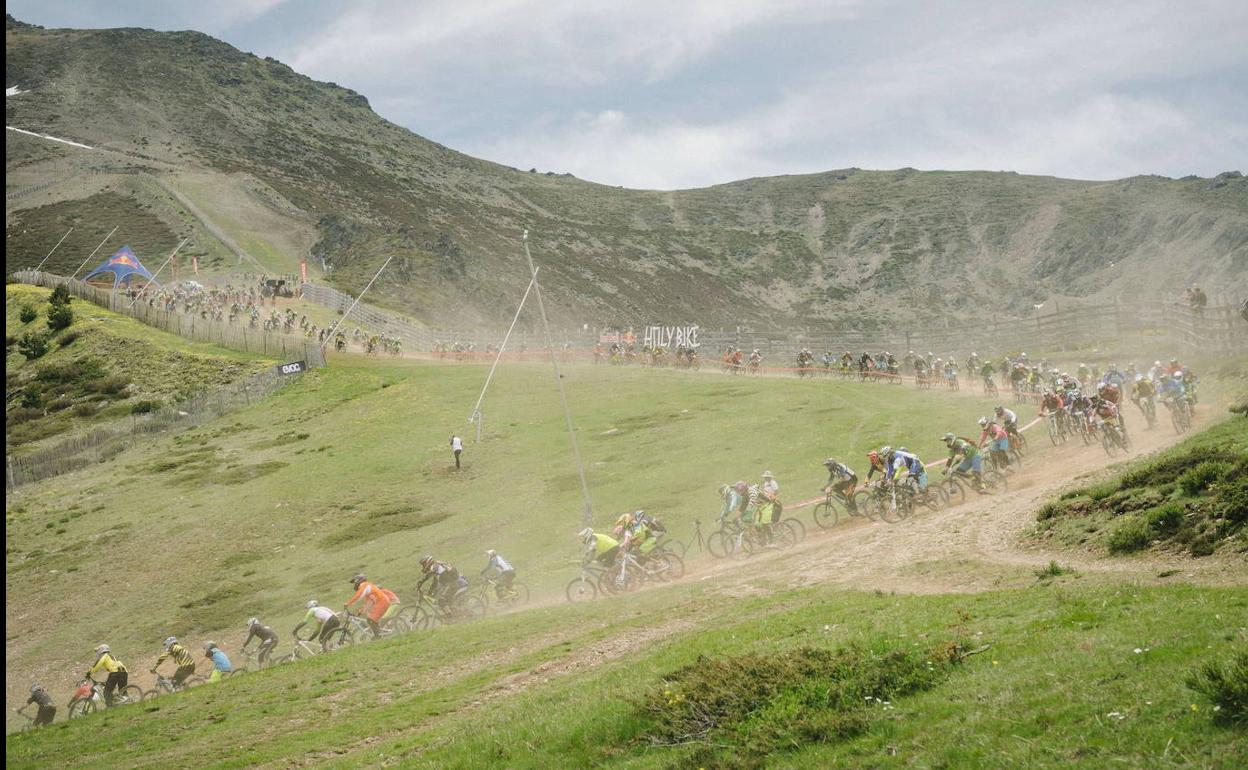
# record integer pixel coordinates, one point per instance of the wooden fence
(238, 336)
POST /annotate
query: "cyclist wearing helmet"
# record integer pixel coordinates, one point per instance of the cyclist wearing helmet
(971, 459)
(181, 657)
(267, 637)
(221, 665)
(598, 547)
(47, 710)
(1007, 419)
(447, 582)
(380, 603)
(900, 461)
(118, 677)
(1000, 446)
(501, 570)
(326, 621)
(877, 465)
(771, 507)
(842, 481)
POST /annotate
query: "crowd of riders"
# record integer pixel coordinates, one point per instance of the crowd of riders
(635, 535)
(321, 625)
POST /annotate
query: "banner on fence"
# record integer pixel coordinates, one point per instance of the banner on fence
(671, 337)
(294, 367)
(623, 338)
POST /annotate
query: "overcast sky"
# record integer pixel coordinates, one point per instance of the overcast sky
(685, 93)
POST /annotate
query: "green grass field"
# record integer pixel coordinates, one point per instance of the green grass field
(257, 512)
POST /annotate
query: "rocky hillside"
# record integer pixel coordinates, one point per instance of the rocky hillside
(841, 246)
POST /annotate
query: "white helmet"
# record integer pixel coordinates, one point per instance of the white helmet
(210, 645)
(253, 622)
(170, 641)
(983, 422)
(490, 552)
(585, 534)
(313, 603)
(103, 648)
(767, 475)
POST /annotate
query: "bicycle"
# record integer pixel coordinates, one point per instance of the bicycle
(359, 626)
(1113, 438)
(515, 596)
(952, 485)
(1056, 427)
(89, 698)
(990, 387)
(429, 612)
(165, 685)
(1180, 416)
(837, 506)
(740, 539)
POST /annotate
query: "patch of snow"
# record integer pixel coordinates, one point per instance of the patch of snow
(12, 91)
(50, 138)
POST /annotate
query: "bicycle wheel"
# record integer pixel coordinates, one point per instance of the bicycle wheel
(720, 544)
(1107, 441)
(675, 565)
(783, 536)
(1051, 425)
(81, 707)
(826, 514)
(889, 508)
(238, 671)
(581, 590)
(339, 637)
(954, 491)
(132, 692)
(798, 528)
(864, 505)
(149, 694)
(995, 482)
(520, 595)
(470, 608)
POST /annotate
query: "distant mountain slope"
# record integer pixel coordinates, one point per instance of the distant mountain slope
(845, 246)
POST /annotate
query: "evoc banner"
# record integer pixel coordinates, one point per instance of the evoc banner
(671, 337)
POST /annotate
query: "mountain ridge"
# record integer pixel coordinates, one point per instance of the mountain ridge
(844, 247)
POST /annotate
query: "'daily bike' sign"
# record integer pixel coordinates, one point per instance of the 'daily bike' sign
(671, 336)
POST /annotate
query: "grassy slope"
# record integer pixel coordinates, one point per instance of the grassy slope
(847, 245)
(1162, 501)
(157, 366)
(258, 512)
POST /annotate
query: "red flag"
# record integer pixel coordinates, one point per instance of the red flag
(303, 270)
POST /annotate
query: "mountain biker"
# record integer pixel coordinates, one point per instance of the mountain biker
(1172, 389)
(772, 507)
(598, 547)
(734, 501)
(47, 710)
(1000, 446)
(447, 582)
(1174, 367)
(376, 599)
(326, 621)
(842, 481)
(220, 662)
(899, 461)
(1112, 376)
(267, 637)
(877, 465)
(1007, 419)
(181, 657)
(501, 570)
(118, 677)
(971, 460)
(1189, 383)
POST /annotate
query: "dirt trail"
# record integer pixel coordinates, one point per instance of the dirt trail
(972, 547)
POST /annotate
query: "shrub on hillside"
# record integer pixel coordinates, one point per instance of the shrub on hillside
(1203, 476)
(32, 345)
(20, 415)
(68, 338)
(27, 314)
(60, 316)
(144, 406)
(1165, 519)
(86, 409)
(1226, 687)
(1130, 536)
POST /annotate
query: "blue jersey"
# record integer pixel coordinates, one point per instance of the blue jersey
(904, 461)
(220, 662)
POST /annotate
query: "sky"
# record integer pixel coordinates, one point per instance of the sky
(687, 93)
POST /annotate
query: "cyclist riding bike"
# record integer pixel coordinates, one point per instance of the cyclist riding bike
(500, 570)
(221, 665)
(877, 465)
(448, 584)
(267, 637)
(380, 603)
(771, 506)
(326, 622)
(900, 462)
(118, 677)
(182, 659)
(969, 458)
(842, 481)
(1000, 446)
(599, 548)
(1008, 420)
(40, 698)
(734, 497)
(1050, 403)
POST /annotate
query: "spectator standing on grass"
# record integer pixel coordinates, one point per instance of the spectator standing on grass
(457, 446)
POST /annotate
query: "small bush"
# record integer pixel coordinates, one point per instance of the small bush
(21, 414)
(27, 314)
(109, 385)
(60, 318)
(85, 409)
(1049, 511)
(1203, 476)
(1053, 570)
(1129, 536)
(1226, 687)
(68, 338)
(1165, 519)
(32, 345)
(32, 398)
(144, 406)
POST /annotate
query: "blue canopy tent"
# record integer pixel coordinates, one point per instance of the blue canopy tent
(124, 266)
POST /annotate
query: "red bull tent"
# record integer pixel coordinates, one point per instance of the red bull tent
(124, 266)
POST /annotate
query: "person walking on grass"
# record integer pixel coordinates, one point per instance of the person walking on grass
(457, 446)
